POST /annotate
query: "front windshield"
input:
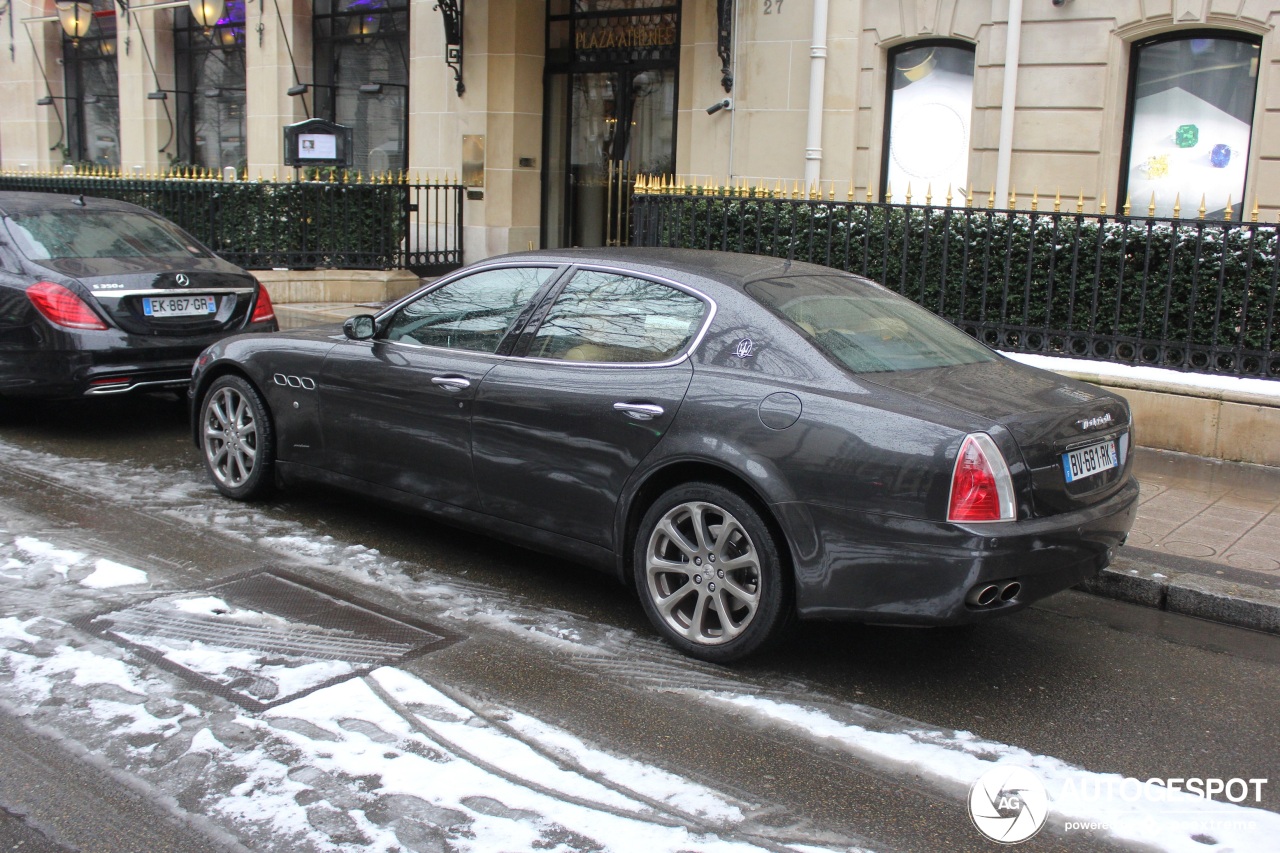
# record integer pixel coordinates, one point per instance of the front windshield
(52, 235)
(867, 328)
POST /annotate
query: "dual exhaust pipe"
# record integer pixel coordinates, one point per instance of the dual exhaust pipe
(994, 592)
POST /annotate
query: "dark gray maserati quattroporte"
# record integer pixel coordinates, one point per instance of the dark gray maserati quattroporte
(745, 440)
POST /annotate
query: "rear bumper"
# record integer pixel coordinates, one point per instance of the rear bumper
(95, 373)
(95, 364)
(877, 568)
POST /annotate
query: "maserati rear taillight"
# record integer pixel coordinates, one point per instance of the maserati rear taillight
(62, 307)
(262, 309)
(981, 488)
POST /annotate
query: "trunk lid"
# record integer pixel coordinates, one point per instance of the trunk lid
(193, 296)
(1049, 416)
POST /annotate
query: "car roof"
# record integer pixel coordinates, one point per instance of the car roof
(732, 269)
(29, 202)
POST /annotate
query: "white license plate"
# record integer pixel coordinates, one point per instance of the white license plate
(1087, 461)
(179, 306)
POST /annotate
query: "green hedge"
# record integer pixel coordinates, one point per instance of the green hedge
(260, 225)
(1188, 294)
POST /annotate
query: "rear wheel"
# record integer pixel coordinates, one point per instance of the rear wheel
(237, 438)
(710, 574)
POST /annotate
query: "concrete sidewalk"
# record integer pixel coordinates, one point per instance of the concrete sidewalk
(1206, 542)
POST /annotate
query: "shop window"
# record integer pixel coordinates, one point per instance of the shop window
(210, 65)
(1189, 123)
(929, 107)
(362, 77)
(93, 101)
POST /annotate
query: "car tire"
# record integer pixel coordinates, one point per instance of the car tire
(237, 439)
(718, 595)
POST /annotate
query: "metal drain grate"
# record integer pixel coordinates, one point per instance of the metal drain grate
(267, 638)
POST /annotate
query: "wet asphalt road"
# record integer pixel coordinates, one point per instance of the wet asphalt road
(1102, 685)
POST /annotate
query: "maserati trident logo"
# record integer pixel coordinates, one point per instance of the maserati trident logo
(1097, 422)
(181, 280)
(745, 349)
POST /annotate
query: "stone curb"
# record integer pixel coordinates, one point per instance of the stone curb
(1189, 594)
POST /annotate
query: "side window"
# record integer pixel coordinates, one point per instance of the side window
(473, 313)
(609, 318)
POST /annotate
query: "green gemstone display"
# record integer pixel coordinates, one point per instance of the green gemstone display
(1187, 136)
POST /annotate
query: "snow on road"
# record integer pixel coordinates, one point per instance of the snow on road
(386, 759)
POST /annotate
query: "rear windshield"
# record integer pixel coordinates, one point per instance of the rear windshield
(50, 235)
(867, 328)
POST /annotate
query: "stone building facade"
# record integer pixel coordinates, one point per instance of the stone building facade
(1157, 102)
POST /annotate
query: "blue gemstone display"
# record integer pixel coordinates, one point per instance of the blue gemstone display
(1220, 156)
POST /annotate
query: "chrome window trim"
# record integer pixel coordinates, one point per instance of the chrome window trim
(565, 269)
(556, 268)
(190, 291)
(658, 279)
(455, 276)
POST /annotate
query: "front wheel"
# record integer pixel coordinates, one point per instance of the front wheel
(237, 439)
(710, 574)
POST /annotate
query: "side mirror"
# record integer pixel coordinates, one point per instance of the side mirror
(360, 327)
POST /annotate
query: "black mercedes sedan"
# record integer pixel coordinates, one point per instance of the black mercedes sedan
(103, 297)
(744, 440)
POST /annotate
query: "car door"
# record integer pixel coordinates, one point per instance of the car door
(397, 408)
(558, 431)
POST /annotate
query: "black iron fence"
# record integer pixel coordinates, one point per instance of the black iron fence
(349, 222)
(1186, 294)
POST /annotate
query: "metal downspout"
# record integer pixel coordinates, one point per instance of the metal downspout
(817, 85)
(1008, 101)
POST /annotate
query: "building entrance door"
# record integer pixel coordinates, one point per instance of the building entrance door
(610, 110)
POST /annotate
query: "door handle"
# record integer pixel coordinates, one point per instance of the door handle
(639, 411)
(452, 384)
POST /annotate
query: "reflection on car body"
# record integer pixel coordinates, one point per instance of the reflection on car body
(743, 440)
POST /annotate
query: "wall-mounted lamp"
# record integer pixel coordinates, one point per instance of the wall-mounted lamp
(76, 17)
(207, 13)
